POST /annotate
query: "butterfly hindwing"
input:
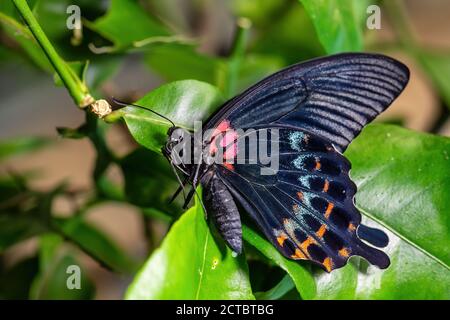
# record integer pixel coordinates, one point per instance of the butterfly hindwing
(306, 208)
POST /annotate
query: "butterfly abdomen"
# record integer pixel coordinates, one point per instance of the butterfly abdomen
(224, 212)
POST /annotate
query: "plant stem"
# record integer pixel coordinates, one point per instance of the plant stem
(74, 85)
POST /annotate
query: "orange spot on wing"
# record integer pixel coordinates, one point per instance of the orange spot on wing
(351, 227)
(281, 238)
(229, 166)
(329, 209)
(300, 195)
(344, 252)
(298, 255)
(328, 264)
(318, 164)
(305, 244)
(326, 186)
(321, 231)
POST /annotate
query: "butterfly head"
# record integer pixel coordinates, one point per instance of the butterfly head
(175, 137)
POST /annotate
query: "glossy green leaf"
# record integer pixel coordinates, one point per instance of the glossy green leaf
(182, 101)
(339, 23)
(192, 264)
(126, 24)
(402, 179)
(95, 243)
(299, 272)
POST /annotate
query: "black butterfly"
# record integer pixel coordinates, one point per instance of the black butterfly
(306, 208)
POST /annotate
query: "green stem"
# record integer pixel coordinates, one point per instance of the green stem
(74, 85)
(236, 55)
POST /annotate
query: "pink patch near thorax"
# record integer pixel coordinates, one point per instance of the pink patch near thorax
(228, 141)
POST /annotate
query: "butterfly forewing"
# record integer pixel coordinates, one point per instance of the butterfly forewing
(333, 97)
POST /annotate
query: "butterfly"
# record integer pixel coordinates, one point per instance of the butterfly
(311, 111)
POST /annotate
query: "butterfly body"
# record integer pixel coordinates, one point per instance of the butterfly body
(276, 151)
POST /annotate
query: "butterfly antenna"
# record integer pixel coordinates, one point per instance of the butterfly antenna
(124, 104)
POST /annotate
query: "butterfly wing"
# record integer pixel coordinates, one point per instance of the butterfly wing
(333, 97)
(306, 209)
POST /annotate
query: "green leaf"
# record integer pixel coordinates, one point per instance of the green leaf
(180, 62)
(192, 264)
(298, 271)
(52, 17)
(102, 69)
(54, 261)
(403, 178)
(21, 145)
(148, 186)
(283, 287)
(22, 35)
(95, 243)
(278, 34)
(182, 101)
(52, 283)
(339, 23)
(78, 69)
(125, 24)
